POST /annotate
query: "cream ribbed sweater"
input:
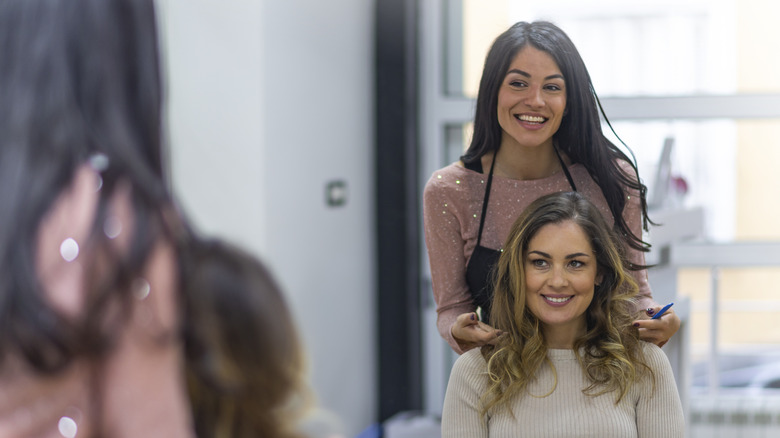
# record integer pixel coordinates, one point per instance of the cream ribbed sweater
(567, 412)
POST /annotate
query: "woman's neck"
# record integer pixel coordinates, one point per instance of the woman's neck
(526, 164)
(563, 337)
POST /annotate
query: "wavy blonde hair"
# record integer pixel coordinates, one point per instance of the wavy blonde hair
(609, 351)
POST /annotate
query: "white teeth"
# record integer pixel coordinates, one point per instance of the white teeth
(533, 119)
(557, 300)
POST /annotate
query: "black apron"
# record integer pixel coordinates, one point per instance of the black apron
(479, 271)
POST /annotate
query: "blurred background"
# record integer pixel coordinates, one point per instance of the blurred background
(305, 131)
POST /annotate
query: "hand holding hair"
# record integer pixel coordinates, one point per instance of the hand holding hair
(470, 332)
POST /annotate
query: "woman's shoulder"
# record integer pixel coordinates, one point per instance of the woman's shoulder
(650, 348)
(624, 165)
(450, 177)
(470, 370)
(446, 173)
(585, 182)
(471, 361)
(627, 168)
(654, 356)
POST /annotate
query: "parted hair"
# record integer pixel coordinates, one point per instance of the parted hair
(609, 350)
(579, 136)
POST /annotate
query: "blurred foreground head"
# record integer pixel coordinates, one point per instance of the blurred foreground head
(79, 83)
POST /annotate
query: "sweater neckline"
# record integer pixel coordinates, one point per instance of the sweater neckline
(554, 176)
(561, 354)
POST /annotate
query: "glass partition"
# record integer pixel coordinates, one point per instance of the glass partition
(637, 48)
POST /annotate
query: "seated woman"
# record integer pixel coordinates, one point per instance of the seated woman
(568, 361)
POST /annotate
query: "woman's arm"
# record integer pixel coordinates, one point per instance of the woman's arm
(460, 414)
(657, 331)
(445, 245)
(632, 214)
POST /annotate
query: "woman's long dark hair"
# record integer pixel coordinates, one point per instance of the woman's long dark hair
(579, 136)
(77, 78)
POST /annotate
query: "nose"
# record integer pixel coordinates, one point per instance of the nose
(534, 98)
(558, 278)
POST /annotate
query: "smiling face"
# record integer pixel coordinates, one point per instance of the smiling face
(531, 100)
(561, 271)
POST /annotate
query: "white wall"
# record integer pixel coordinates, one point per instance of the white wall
(270, 100)
(215, 97)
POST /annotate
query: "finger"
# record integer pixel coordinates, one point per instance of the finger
(650, 311)
(468, 330)
(649, 329)
(649, 336)
(643, 323)
(496, 337)
(485, 327)
(648, 333)
(484, 334)
(479, 332)
(467, 319)
(651, 324)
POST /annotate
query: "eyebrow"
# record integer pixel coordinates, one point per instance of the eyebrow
(570, 256)
(526, 74)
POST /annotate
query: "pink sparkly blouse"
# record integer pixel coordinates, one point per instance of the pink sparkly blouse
(452, 205)
(139, 390)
